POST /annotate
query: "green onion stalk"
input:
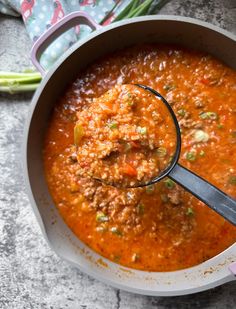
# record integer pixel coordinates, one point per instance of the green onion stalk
(19, 82)
(26, 81)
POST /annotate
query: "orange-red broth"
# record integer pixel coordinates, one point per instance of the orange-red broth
(159, 228)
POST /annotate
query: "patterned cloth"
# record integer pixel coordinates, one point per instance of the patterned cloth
(39, 15)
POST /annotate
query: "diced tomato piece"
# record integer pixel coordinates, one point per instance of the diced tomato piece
(205, 81)
(129, 170)
(134, 144)
(106, 107)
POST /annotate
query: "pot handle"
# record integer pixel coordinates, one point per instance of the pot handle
(64, 24)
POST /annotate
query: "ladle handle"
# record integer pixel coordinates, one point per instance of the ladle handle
(206, 192)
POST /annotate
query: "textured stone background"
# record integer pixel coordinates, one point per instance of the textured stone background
(31, 275)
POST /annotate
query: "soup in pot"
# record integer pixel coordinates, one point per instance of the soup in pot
(159, 227)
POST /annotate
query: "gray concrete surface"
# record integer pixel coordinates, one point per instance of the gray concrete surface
(31, 275)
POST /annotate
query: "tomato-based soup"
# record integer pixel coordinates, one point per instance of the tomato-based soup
(159, 227)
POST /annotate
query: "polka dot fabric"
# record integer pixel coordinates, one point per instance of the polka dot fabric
(10, 7)
(39, 15)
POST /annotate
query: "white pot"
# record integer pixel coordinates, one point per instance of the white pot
(167, 29)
